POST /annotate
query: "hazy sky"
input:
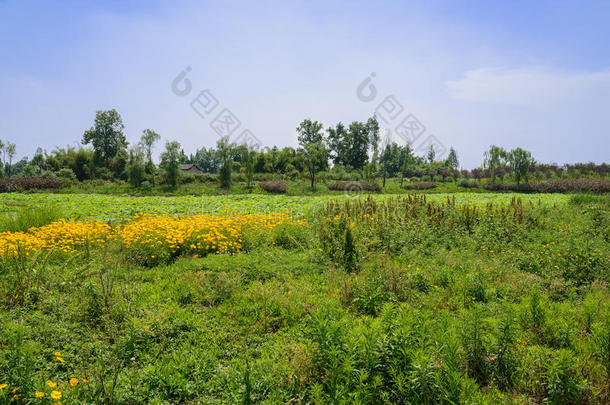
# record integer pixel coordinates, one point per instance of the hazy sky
(534, 74)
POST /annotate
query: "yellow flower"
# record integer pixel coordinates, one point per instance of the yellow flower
(51, 384)
(39, 394)
(3, 386)
(56, 395)
(57, 354)
(59, 359)
(14, 390)
(73, 381)
(57, 403)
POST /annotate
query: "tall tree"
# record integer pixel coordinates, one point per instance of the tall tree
(313, 148)
(11, 150)
(225, 152)
(431, 155)
(452, 159)
(520, 162)
(248, 159)
(310, 132)
(408, 162)
(372, 129)
(494, 160)
(135, 167)
(390, 160)
(338, 144)
(106, 136)
(170, 162)
(147, 141)
(1, 160)
(358, 145)
(316, 159)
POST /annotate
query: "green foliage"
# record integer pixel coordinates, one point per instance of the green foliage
(288, 320)
(475, 346)
(135, 169)
(170, 160)
(520, 162)
(106, 136)
(494, 159)
(563, 383)
(225, 155)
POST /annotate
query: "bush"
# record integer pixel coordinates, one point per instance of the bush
(555, 186)
(273, 186)
(355, 186)
(12, 184)
(66, 174)
(422, 185)
(466, 183)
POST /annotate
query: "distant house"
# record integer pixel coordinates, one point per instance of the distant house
(190, 169)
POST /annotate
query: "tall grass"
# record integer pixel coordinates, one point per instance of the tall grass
(23, 219)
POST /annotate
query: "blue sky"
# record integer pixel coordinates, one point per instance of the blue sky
(474, 73)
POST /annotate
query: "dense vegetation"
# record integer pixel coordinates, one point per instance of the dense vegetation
(339, 153)
(469, 298)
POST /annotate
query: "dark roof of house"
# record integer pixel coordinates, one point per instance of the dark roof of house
(189, 166)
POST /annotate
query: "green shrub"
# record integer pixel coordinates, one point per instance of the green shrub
(563, 384)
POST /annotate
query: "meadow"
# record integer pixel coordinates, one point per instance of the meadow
(339, 299)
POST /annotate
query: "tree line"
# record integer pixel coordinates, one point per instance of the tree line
(356, 150)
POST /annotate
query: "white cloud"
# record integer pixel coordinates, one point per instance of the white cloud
(531, 86)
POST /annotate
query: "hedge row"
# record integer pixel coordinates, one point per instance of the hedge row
(22, 183)
(555, 186)
(355, 186)
(420, 185)
(273, 186)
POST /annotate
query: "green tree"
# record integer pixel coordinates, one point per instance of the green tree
(358, 145)
(309, 132)
(316, 159)
(372, 129)
(248, 159)
(431, 154)
(135, 167)
(520, 162)
(390, 160)
(83, 162)
(452, 159)
(106, 136)
(312, 148)
(170, 161)
(1, 160)
(408, 162)
(338, 144)
(11, 150)
(225, 152)
(147, 141)
(494, 159)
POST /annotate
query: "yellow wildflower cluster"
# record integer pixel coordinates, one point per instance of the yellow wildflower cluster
(197, 234)
(61, 235)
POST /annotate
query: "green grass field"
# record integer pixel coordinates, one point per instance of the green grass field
(113, 208)
(391, 299)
